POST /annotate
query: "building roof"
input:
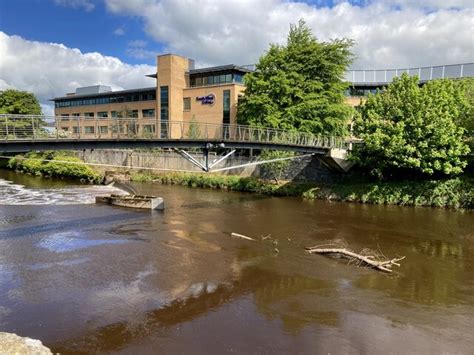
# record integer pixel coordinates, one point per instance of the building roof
(219, 68)
(110, 93)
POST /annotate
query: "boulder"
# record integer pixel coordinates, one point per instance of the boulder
(14, 344)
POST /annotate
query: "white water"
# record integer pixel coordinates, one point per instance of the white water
(14, 194)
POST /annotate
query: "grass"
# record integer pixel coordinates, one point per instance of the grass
(452, 193)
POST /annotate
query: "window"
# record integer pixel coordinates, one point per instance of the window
(113, 114)
(65, 115)
(134, 114)
(198, 81)
(103, 114)
(149, 112)
(228, 78)
(104, 129)
(76, 114)
(164, 112)
(149, 128)
(226, 104)
(89, 129)
(76, 129)
(186, 103)
(89, 114)
(65, 128)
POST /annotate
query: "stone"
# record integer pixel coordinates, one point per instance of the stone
(13, 344)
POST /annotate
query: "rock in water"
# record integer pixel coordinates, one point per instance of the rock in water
(14, 344)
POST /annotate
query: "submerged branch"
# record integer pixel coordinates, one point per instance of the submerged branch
(367, 260)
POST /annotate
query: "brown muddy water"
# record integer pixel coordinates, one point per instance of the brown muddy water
(86, 278)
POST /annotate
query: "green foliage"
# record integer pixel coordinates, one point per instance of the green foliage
(24, 103)
(52, 164)
(454, 193)
(299, 86)
(194, 132)
(409, 129)
(19, 102)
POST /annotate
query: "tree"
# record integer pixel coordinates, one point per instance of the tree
(299, 86)
(194, 132)
(19, 102)
(24, 103)
(408, 129)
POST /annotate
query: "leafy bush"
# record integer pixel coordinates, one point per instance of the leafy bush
(411, 130)
(54, 165)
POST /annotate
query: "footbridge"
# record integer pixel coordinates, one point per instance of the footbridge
(24, 133)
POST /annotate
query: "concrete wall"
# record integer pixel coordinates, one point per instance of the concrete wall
(305, 169)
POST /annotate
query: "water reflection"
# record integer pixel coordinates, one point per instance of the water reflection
(88, 279)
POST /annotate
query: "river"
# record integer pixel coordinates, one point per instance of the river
(87, 278)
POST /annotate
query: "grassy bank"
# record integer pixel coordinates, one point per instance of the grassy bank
(57, 164)
(453, 193)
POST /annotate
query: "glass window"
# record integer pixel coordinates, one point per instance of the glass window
(113, 114)
(164, 113)
(210, 80)
(103, 114)
(198, 81)
(104, 129)
(134, 114)
(150, 112)
(222, 79)
(205, 81)
(89, 114)
(228, 78)
(76, 114)
(76, 129)
(89, 129)
(65, 115)
(216, 79)
(186, 103)
(65, 129)
(149, 128)
(226, 104)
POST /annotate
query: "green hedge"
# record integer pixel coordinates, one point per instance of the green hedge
(51, 164)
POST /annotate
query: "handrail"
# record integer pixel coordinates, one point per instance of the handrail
(39, 127)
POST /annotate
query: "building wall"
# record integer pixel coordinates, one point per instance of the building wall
(207, 113)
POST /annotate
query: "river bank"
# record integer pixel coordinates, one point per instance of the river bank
(455, 193)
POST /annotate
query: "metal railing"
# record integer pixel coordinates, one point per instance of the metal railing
(385, 76)
(31, 128)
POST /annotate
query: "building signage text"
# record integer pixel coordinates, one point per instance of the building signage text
(206, 100)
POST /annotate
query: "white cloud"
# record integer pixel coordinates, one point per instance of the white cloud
(137, 49)
(86, 5)
(391, 33)
(50, 69)
(119, 31)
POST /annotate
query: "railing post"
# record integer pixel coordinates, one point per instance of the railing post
(33, 127)
(6, 127)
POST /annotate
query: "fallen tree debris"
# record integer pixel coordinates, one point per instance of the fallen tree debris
(237, 235)
(365, 260)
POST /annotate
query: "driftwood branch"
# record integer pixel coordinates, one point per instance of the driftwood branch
(237, 235)
(367, 260)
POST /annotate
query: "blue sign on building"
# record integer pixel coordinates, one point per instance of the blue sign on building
(206, 100)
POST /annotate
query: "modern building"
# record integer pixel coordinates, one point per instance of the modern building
(183, 94)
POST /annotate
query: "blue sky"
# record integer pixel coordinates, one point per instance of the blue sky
(90, 31)
(51, 47)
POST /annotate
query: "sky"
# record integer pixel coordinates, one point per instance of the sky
(50, 47)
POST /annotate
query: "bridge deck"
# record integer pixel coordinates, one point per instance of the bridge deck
(20, 133)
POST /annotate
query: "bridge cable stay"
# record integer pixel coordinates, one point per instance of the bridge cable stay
(199, 164)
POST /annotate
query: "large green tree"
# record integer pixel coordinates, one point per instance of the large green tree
(408, 129)
(19, 102)
(299, 86)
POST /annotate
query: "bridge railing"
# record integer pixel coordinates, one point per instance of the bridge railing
(29, 127)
